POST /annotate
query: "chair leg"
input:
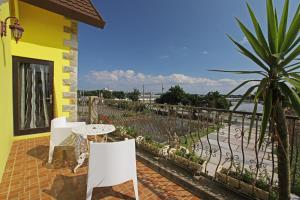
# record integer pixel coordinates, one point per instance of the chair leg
(51, 150)
(89, 192)
(135, 186)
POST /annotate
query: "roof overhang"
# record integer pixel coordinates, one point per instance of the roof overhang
(80, 10)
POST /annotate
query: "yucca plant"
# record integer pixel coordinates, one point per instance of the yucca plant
(278, 59)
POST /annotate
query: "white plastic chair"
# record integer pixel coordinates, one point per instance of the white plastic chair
(112, 164)
(60, 131)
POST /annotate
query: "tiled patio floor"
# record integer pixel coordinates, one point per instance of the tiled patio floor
(27, 177)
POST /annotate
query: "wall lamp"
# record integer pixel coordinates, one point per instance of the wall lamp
(16, 29)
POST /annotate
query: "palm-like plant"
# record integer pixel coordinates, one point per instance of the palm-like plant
(278, 59)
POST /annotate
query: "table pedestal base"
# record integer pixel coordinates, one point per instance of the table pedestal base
(80, 161)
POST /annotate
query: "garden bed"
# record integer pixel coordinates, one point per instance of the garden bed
(180, 157)
(182, 162)
(245, 184)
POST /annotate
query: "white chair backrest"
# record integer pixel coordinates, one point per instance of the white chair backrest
(112, 163)
(60, 131)
(58, 122)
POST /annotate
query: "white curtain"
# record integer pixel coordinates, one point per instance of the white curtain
(43, 71)
(22, 109)
(34, 94)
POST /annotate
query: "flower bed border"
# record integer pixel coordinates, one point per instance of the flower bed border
(242, 186)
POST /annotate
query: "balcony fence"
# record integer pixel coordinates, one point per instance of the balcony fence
(214, 143)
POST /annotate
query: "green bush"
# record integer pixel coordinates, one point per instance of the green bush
(127, 114)
(190, 156)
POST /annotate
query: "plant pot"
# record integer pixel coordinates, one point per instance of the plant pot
(233, 182)
(247, 188)
(195, 166)
(185, 163)
(221, 177)
(241, 185)
(149, 148)
(261, 194)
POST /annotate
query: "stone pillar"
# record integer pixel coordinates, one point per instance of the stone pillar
(72, 57)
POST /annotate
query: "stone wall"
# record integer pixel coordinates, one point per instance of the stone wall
(72, 69)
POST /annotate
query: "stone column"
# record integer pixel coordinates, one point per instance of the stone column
(72, 69)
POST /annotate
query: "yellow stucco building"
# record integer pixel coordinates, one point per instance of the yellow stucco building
(38, 74)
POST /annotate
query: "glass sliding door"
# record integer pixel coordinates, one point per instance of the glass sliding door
(33, 98)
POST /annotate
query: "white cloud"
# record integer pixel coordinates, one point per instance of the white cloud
(128, 79)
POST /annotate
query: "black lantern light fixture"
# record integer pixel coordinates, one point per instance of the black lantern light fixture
(16, 29)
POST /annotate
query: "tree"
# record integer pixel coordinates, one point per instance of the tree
(118, 94)
(106, 94)
(278, 60)
(216, 100)
(134, 95)
(196, 100)
(176, 95)
(173, 96)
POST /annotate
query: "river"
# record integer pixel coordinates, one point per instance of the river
(247, 107)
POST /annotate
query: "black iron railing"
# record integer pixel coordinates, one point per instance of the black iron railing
(213, 142)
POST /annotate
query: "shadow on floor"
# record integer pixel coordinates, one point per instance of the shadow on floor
(99, 193)
(156, 189)
(62, 156)
(68, 187)
(40, 152)
(74, 187)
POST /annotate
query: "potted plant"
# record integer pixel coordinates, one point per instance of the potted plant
(183, 158)
(151, 146)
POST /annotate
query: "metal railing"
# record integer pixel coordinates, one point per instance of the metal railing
(220, 139)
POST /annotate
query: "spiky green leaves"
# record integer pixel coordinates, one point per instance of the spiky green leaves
(267, 111)
(283, 24)
(277, 56)
(292, 32)
(247, 94)
(272, 30)
(249, 55)
(257, 47)
(259, 91)
(292, 95)
(258, 30)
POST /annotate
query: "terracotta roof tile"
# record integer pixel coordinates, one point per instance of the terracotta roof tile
(81, 10)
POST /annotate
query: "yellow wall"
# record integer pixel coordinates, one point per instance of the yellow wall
(6, 110)
(43, 38)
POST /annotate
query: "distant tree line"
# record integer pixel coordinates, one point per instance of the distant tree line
(106, 94)
(176, 95)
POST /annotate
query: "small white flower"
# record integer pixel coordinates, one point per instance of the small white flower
(172, 151)
(139, 139)
(122, 130)
(184, 150)
(164, 151)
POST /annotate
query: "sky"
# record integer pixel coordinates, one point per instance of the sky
(169, 42)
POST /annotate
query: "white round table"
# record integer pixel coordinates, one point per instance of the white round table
(82, 144)
(93, 130)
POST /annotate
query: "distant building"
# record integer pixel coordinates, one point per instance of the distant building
(106, 89)
(149, 97)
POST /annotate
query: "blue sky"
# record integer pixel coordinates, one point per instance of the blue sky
(166, 41)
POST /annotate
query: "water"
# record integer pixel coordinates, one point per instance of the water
(247, 107)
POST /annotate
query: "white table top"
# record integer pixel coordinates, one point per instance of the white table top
(93, 129)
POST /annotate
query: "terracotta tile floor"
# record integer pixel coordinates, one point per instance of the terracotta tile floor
(27, 177)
